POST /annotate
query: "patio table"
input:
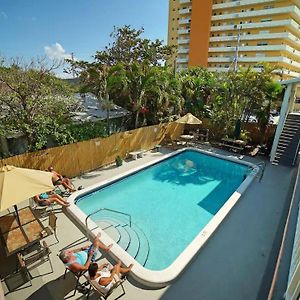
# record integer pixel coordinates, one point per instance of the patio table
(15, 237)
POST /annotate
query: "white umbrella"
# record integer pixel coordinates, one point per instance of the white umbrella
(189, 119)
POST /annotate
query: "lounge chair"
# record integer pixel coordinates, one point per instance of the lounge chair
(103, 294)
(42, 210)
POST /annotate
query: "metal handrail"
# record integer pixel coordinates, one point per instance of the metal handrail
(108, 209)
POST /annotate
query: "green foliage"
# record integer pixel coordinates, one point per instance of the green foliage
(35, 103)
(238, 95)
(245, 136)
(119, 161)
(129, 47)
(197, 87)
(86, 131)
(130, 73)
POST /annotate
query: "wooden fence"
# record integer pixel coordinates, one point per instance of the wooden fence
(78, 158)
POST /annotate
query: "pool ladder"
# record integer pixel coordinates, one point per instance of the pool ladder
(107, 209)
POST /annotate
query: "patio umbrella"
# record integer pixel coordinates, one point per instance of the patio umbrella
(18, 184)
(189, 119)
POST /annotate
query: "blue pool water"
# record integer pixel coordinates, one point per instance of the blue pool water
(171, 201)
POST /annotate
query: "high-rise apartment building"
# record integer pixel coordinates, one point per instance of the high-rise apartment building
(224, 34)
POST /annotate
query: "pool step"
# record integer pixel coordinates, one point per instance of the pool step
(144, 250)
(110, 229)
(131, 239)
(134, 245)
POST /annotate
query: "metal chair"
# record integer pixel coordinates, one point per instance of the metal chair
(76, 274)
(26, 263)
(93, 286)
(51, 229)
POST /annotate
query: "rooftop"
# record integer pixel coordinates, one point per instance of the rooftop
(236, 262)
(93, 109)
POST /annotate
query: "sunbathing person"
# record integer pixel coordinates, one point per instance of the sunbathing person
(80, 259)
(58, 179)
(104, 277)
(48, 198)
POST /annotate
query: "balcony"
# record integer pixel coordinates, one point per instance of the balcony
(185, 11)
(183, 31)
(268, 48)
(182, 60)
(282, 23)
(183, 41)
(184, 21)
(293, 10)
(216, 69)
(256, 59)
(183, 50)
(241, 3)
(185, 1)
(264, 36)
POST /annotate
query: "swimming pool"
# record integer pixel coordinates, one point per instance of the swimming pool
(173, 202)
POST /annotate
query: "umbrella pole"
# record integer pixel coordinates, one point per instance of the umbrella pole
(17, 215)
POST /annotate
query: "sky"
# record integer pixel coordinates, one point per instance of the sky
(57, 28)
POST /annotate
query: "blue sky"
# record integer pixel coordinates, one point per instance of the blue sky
(30, 28)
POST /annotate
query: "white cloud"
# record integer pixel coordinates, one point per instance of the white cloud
(3, 15)
(64, 75)
(57, 52)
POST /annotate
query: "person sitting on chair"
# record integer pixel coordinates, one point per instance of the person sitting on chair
(78, 260)
(58, 179)
(104, 277)
(48, 198)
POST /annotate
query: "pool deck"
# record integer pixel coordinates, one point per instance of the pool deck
(235, 263)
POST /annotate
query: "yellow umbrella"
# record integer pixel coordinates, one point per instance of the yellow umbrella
(18, 184)
(189, 119)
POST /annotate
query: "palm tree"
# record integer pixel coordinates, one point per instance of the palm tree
(134, 81)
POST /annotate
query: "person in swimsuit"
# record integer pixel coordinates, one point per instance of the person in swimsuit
(58, 179)
(46, 199)
(80, 259)
(104, 277)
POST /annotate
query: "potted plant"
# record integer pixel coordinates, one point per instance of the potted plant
(119, 161)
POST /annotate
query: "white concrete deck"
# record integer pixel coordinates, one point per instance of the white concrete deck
(236, 263)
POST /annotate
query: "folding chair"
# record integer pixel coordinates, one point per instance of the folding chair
(105, 295)
(28, 262)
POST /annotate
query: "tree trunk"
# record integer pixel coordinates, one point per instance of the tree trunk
(107, 121)
(136, 123)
